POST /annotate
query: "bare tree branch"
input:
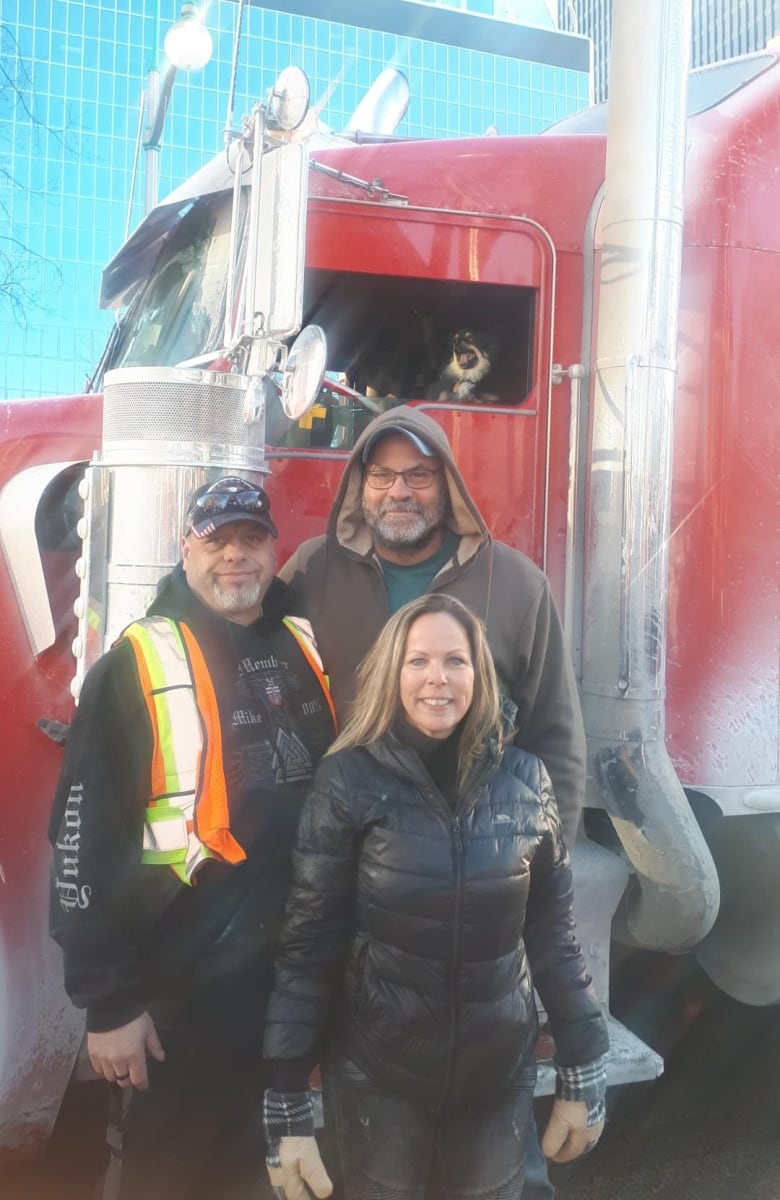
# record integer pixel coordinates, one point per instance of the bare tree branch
(22, 268)
(19, 83)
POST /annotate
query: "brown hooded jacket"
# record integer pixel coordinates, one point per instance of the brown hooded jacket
(336, 581)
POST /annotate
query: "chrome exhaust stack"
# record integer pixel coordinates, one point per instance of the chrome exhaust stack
(384, 105)
(672, 899)
(167, 430)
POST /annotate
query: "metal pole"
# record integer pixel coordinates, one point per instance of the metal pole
(258, 129)
(152, 100)
(152, 156)
(234, 72)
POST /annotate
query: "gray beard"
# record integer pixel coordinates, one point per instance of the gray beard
(236, 599)
(419, 527)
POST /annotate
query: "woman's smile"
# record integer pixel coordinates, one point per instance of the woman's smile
(437, 675)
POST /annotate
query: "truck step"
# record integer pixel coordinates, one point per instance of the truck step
(629, 1060)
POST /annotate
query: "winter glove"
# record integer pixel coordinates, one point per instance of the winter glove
(577, 1118)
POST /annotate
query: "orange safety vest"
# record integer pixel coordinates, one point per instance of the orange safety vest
(187, 819)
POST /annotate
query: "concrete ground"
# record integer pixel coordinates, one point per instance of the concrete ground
(709, 1128)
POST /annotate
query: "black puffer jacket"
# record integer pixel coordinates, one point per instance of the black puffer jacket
(412, 923)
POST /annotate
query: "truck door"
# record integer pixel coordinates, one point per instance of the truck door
(391, 287)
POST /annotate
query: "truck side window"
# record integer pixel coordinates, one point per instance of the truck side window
(413, 339)
(396, 339)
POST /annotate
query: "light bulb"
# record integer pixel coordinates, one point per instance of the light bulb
(188, 43)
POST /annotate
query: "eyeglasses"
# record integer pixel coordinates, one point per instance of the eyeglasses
(223, 496)
(382, 478)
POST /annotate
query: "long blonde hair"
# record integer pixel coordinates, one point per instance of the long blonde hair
(378, 696)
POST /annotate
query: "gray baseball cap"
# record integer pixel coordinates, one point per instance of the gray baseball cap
(386, 430)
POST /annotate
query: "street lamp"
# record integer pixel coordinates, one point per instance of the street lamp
(188, 43)
(188, 47)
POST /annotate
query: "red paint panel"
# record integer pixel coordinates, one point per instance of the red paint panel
(723, 666)
(500, 456)
(550, 178)
(40, 1030)
(403, 242)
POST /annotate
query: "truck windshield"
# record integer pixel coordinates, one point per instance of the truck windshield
(179, 313)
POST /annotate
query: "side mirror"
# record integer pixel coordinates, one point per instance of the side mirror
(277, 286)
(288, 102)
(304, 371)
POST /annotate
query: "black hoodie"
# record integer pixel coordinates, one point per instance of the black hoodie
(133, 936)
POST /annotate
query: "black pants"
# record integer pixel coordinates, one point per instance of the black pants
(197, 1133)
(392, 1149)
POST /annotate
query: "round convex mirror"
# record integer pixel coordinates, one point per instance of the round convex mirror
(288, 102)
(303, 372)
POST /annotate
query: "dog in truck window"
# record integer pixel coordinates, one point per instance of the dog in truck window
(467, 373)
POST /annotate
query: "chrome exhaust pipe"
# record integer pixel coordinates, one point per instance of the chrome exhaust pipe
(673, 898)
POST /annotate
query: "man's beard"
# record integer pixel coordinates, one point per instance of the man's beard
(241, 599)
(413, 533)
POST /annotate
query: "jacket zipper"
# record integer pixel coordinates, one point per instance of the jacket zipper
(457, 854)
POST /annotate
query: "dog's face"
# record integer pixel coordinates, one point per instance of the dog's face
(471, 355)
(468, 373)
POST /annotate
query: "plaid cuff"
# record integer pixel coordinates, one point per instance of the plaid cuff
(587, 1083)
(286, 1114)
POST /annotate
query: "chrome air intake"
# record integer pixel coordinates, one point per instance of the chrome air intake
(165, 431)
(180, 416)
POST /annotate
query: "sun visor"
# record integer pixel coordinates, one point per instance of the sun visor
(132, 265)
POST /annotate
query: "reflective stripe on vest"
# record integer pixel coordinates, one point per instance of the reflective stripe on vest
(304, 636)
(187, 818)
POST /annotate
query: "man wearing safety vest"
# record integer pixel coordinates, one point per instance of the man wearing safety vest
(194, 743)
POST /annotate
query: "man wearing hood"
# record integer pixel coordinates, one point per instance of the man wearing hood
(403, 523)
(185, 767)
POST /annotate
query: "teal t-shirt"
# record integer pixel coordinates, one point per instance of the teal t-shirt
(405, 583)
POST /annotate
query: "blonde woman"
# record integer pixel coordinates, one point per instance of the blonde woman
(432, 892)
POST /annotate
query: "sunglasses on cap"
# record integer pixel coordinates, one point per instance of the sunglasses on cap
(226, 500)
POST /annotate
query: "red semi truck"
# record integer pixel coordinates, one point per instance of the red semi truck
(662, 552)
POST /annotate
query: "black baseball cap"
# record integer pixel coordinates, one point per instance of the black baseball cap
(229, 499)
